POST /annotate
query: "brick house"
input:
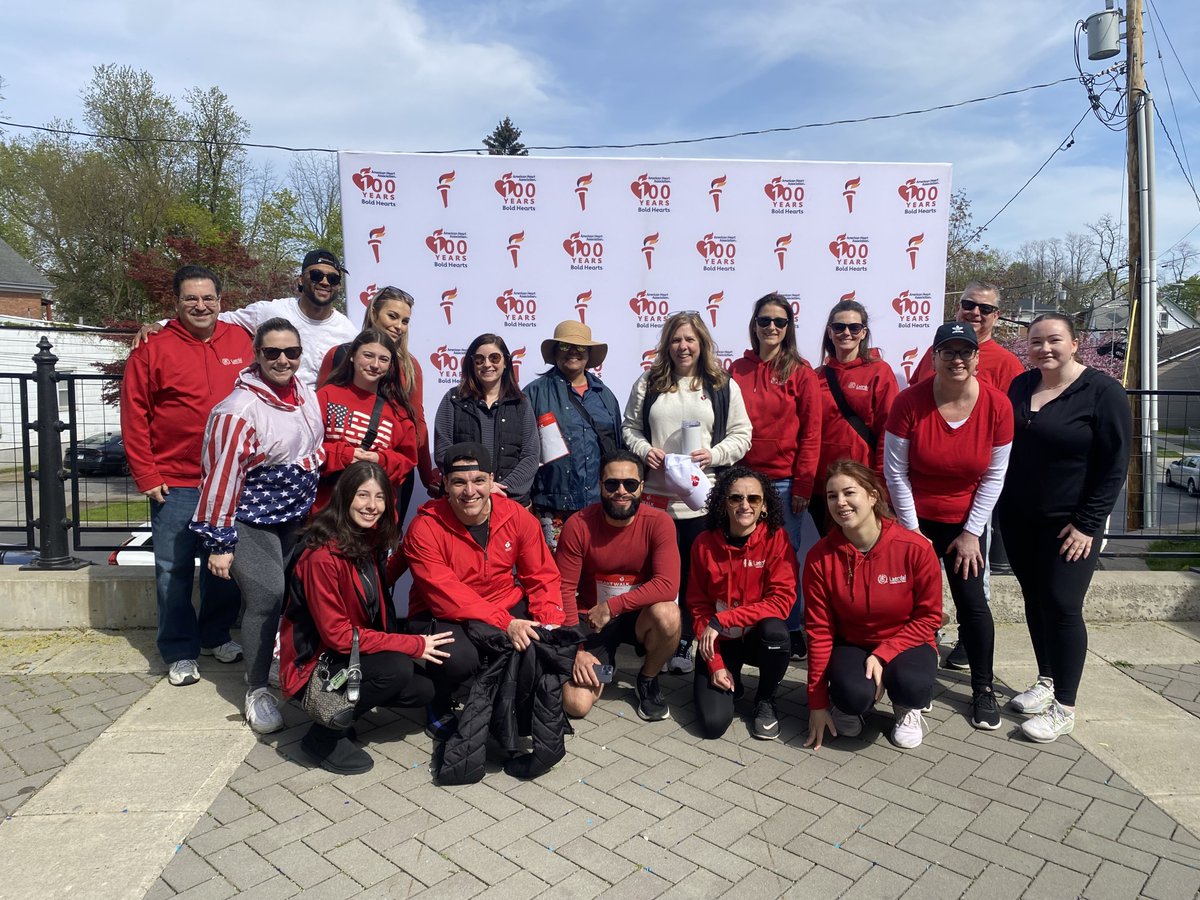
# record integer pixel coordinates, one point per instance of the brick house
(24, 291)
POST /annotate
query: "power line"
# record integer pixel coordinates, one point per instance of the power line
(1183, 171)
(1170, 95)
(1172, 46)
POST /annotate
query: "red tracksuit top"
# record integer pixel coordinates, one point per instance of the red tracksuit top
(887, 600)
(870, 388)
(786, 420)
(740, 586)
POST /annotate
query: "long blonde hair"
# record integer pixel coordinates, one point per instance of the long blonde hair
(661, 378)
(404, 361)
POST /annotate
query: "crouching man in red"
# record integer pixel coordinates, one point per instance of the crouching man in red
(463, 550)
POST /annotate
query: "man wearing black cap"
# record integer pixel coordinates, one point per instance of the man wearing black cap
(463, 550)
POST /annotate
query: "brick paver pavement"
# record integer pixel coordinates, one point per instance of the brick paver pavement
(1179, 684)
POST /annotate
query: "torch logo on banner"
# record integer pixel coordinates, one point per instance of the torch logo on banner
(449, 249)
(586, 251)
(648, 359)
(375, 240)
(448, 298)
(714, 303)
(519, 307)
(446, 362)
(581, 305)
(908, 363)
(367, 294)
(445, 181)
(648, 243)
(781, 249)
(786, 195)
(919, 197)
(378, 188)
(653, 192)
(913, 309)
(847, 296)
(851, 189)
(517, 192)
(715, 189)
(514, 246)
(914, 247)
(581, 189)
(850, 253)
(718, 252)
(518, 356)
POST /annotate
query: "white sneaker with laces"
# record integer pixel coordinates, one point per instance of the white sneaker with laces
(910, 728)
(1050, 725)
(262, 712)
(1037, 699)
(228, 652)
(183, 671)
(846, 724)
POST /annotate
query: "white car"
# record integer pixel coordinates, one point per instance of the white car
(135, 550)
(1185, 473)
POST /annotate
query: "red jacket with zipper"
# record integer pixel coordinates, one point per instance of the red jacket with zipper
(786, 421)
(456, 579)
(869, 386)
(740, 586)
(887, 600)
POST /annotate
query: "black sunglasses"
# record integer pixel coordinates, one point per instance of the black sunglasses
(610, 485)
(736, 499)
(316, 276)
(855, 328)
(768, 321)
(986, 308)
(272, 353)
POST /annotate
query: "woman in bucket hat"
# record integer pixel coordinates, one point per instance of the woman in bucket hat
(579, 420)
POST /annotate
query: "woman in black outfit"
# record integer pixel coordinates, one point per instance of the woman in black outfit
(1070, 453)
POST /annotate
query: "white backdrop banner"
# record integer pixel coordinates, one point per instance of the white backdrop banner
(514, 245)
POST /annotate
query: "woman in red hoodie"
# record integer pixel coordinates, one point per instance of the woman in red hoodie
(742, 587)
(341, 581)
(784, 405)
(874, 592)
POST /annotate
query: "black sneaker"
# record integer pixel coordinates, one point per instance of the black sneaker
(957, 658)
(765, 726)
(651, 705)
(440, 725)
(799, 645)
(985, 712)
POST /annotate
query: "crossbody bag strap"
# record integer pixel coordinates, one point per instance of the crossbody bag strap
(373, 427)
(607, 443)
(853, 419)
(353, 670)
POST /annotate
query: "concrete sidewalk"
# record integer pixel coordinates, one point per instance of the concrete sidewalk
(117, 785)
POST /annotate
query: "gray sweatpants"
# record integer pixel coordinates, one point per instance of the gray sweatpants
(258, 570)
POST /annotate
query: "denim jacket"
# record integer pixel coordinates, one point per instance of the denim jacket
(573, 481)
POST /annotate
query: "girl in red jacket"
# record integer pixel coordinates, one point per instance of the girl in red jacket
(874, 603)
(742, 587)
(341, 581)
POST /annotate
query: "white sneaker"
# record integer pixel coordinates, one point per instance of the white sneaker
(910, 728)
(183, 671)
(262, 712)
(846, 724)
(1037, 699)
(1050, 725)
(228, 652)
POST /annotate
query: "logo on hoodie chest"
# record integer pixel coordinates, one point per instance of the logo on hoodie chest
(753, 563)
(892, 579)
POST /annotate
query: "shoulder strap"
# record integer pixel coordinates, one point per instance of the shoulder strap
(607, 443)
(647, 401)
(852, 418)
(373, 427)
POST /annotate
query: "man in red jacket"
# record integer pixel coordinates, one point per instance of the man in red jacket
(622, 560)
(463, 550)
(980, 307)
(171, 384)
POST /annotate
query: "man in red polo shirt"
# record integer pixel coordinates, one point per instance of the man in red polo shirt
(980, 307)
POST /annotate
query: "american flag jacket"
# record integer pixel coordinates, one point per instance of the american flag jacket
(260, 460)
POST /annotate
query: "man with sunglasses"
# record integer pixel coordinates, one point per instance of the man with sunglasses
(979, 306)
(619, 564)
(170, 387)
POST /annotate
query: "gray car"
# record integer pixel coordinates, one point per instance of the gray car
(1185, 473)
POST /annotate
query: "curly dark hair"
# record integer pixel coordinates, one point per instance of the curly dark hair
(717, 517)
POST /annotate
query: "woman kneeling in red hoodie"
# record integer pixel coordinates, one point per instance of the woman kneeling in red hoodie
(873, 593)
(742, 587)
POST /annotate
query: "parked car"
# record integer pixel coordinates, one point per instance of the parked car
(99, 454)
(1185, 473)
(11, 555)
(135, 550)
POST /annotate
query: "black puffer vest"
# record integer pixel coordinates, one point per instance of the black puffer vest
(468, 426)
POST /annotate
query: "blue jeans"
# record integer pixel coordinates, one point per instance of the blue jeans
(181, 633)
(802, 532)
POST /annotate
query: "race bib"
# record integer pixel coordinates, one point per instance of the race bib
(609, 586)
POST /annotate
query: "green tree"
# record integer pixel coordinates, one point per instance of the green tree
(505, 140)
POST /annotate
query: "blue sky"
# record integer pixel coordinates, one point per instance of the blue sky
(415, 76)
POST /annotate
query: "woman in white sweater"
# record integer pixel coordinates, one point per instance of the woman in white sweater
(685, 384)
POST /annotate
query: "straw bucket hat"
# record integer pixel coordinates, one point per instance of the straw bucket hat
(572, 332)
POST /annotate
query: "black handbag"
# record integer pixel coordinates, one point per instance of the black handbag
(330, 706)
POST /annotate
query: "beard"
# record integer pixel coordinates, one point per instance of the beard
(615, 512)
(306, 289)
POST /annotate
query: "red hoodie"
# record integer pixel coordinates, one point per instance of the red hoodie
(786, 420)
(740, 586)
(172, 382)
(456, 579)
(888, 599)
(869, 386)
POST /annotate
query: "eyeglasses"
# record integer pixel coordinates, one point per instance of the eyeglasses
(572, 348)
(855, 328)
(951, 355)
(207, 300)
(316, 276)
(752, 499)
(494, 358)
(986, 308)
(768, 321)
(610, 485)
(272, 353)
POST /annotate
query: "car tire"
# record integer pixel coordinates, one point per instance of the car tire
(1170, 480)
(1191, 488)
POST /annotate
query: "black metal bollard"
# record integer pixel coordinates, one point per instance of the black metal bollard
(52, 519)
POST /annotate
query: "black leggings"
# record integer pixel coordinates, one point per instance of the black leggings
(686, 532)
(908, 678)
(388, 679)
(975, 627)
(766, 645)
(464, 661)
(1054, 591)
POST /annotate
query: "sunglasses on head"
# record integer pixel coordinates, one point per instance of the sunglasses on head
(855, 328)
(986, 308)
(610, 485)
(768, 321)
(272, 353)
(316, 276)
(752, 499)
(494, 358)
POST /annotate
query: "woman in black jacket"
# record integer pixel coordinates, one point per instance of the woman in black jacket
(1070, 453)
